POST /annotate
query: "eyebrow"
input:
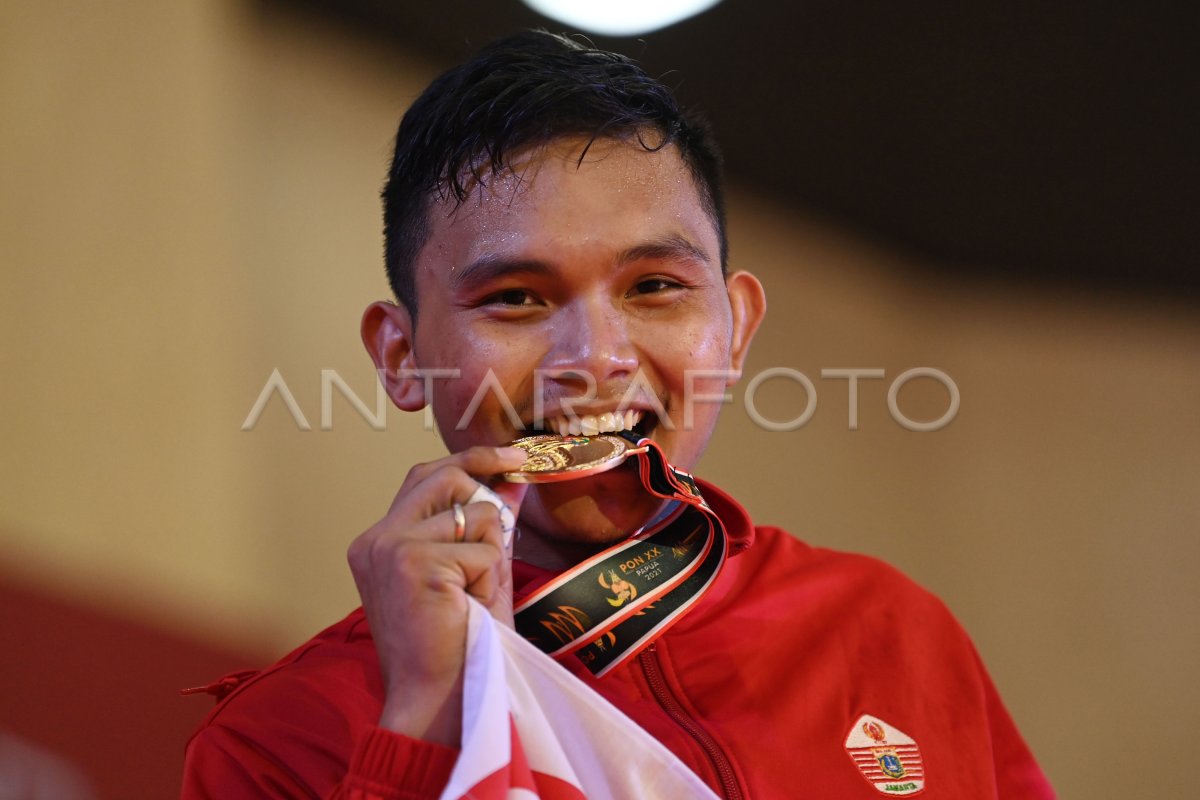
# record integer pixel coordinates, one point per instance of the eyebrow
(493, 266)
(666, 248)
(490, 267)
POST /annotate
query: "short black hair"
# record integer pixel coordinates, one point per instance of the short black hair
(524, 90)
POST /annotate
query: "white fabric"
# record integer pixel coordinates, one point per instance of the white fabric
(508, 523)
(566, 730)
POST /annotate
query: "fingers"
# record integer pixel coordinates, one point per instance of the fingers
(481, 525)
(416, 542)
(479, 462)
(433, 487)
(414, 570)
(439, 540)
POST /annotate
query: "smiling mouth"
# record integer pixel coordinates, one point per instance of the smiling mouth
(590, 425)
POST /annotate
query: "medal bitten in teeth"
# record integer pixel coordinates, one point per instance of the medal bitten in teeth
(580, 446)
(559, 458)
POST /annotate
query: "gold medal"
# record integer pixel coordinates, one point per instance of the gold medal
(563, 458)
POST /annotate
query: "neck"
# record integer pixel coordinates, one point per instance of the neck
(554, 555)
(557, 551)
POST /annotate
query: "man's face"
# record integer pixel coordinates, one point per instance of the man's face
(579, 290)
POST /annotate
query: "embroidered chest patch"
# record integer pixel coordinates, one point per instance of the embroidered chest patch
(886, 756)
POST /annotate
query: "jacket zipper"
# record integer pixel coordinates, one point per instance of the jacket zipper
(667, 699)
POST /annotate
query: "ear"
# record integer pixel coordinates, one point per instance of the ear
(387, 333)
(748, 302)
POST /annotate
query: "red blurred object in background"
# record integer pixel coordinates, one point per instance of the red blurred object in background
(101, 692)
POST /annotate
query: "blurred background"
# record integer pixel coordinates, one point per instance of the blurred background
(1005, 193)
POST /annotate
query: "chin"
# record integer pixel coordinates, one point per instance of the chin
(601, 509)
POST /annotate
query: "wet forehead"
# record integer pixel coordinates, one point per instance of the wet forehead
(616, 194)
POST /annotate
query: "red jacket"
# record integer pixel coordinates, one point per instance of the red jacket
(759, 689)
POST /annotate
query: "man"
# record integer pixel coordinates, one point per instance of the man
(556, 240)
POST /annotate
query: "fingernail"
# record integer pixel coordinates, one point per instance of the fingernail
(513, 453)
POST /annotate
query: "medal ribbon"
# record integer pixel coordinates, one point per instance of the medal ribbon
(610, 607)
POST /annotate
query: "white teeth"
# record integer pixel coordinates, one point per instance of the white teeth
(609, 422)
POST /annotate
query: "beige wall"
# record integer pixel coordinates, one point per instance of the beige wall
(188, 203)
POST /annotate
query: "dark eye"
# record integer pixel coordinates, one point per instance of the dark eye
(653, 286)
(511, 297)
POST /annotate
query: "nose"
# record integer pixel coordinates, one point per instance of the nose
(593, 338)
